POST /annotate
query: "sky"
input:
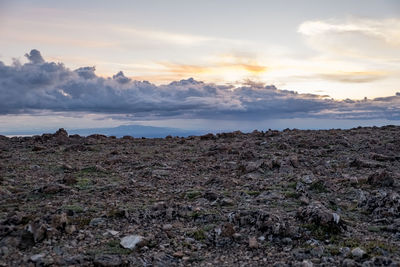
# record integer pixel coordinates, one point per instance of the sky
(205, 64)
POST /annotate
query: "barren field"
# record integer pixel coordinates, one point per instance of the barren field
(274, 198)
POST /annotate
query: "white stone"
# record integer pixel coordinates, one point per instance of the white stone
(358, 252)
(111, 232)
(353, 180)
(336, 217)
(307, 263)
(167, 227)
(131, 241)
(218, 230)
(307, 179)
(36, 257)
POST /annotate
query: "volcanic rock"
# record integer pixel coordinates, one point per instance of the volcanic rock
(284, 198)
(382, 179)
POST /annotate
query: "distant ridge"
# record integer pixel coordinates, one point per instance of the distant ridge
(119, 131)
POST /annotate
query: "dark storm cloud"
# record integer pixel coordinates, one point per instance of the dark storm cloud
(39, 85)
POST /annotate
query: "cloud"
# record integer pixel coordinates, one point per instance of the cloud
(121, 78)
(386, 30)
(86, 72)
(185, 69)
(352, 77)
(355, 37)
(39, 86)
(254, 68)
(162, 36)
(241, 67)
(35, 57)
(174, 38)
(238, 60)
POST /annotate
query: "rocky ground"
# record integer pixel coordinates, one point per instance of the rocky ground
(289, 198)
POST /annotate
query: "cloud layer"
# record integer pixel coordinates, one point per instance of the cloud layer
(39, 86)
(357, 37)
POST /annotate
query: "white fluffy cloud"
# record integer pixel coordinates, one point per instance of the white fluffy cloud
(47, 86)
(356, 37)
